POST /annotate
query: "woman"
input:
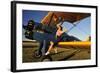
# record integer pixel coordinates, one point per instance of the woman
(58, 38)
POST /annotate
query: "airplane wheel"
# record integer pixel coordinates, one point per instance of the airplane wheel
(35, 54)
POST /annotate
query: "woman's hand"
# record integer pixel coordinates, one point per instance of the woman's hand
(65, 30)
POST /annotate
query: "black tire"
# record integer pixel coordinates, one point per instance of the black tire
(35, 54)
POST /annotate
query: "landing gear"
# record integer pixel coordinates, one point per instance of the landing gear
(44, 58)
(36, 55)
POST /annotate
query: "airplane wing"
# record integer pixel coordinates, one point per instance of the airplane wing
(55, 17)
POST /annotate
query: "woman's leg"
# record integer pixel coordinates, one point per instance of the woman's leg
(55, 49)
(50, 47)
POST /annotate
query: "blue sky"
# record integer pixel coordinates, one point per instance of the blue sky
(34, 15)
(81, 31)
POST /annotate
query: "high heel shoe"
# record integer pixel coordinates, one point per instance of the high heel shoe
(47, 53)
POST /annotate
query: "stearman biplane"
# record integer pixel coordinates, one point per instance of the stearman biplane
(48, 25)
(49, 22)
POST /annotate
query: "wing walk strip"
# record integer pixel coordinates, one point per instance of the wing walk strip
(63, 44)
(85, 43)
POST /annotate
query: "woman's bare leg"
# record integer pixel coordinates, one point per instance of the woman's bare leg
(55, 49)
(50, 47)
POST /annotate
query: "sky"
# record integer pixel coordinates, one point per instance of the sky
(34, 15)
(82, 29)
